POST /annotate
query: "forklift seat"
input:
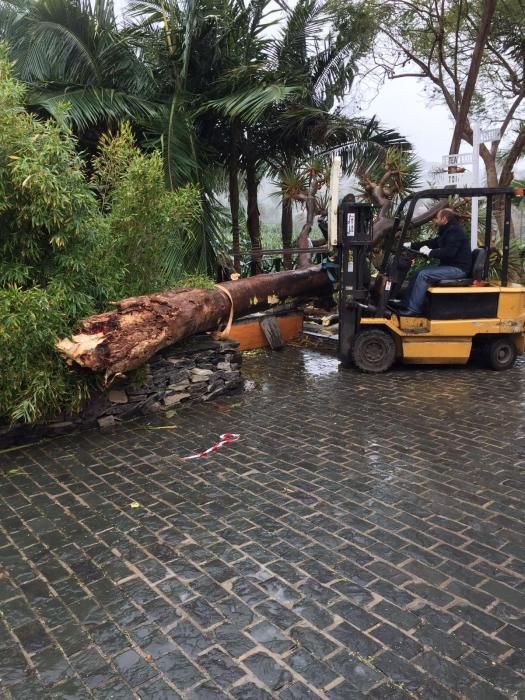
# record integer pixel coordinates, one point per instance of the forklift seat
(479, 257)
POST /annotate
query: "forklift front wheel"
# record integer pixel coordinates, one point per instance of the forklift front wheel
(373, 351)
(501, 353)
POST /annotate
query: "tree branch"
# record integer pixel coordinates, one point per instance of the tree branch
(512, 110)
(515, 79)
(489, 8)
(515, 152)
(409, 75)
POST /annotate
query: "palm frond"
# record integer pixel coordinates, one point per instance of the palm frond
(251, 104)
(91, 105)
(148, 13)
(360, 143)
(191, 18)
(178, 139)
(304, 24)
(331, 71)
(60, 46)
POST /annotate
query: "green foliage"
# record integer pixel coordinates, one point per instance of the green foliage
(64, 253)
(195, 282)
(516, 261)
(34, 380)
(48, 228)
(149, 231)
(47, 213)
(73, 50)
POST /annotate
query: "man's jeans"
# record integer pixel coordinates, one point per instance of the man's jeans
(424, 279)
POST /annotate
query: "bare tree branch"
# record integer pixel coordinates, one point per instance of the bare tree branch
(515, 152)
(489, 7)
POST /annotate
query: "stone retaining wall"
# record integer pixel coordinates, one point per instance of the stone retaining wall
(199, 370)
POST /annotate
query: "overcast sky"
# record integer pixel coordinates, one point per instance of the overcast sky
(400, 104)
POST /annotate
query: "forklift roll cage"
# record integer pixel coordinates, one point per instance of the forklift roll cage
(487, 192)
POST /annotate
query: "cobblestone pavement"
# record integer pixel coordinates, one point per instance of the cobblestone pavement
(364, 538)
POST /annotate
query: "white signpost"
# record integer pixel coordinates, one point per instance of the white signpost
(470, 178)
(335, 176)
(478, 137)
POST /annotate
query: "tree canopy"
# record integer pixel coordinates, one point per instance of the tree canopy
(471, 56)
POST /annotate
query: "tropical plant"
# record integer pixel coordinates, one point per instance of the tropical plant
(64, 253)
(209, 84)
(190, 48)
(516, 263)
(72, 51)
(48, 222)
(293, 116)
(150, 241)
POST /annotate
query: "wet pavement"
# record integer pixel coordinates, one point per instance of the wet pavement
(364, 538)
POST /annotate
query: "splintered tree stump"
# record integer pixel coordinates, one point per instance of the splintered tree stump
(117, 341)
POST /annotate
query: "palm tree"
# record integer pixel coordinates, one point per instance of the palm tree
(318, 49)
(231, 134)
(290, 116)
(71, 51)
(202, 80)
(197, 50)
(157, 72)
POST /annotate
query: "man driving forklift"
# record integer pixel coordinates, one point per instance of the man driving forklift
(464, 311)
(451, 247)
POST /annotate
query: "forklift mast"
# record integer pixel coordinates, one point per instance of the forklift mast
(354, 236)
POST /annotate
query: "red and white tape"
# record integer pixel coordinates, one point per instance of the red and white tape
(225, 438)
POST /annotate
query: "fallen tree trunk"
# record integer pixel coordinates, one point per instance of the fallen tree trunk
(123, 339)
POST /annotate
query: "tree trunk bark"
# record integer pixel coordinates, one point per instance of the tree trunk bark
(124, 339)
(303, 259)
(253, 215)
(234, 209)
(287, 230)
(489, 7)
(489, 160)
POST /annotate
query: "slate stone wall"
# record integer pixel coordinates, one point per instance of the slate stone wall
(199, 370)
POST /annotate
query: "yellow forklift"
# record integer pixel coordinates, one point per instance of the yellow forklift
(460, 316)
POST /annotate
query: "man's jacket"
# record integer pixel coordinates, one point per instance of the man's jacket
(451, 247)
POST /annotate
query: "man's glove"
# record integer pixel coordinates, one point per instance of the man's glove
(407, 244)
(425, 250)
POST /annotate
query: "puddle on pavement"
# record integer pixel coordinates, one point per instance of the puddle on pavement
(319, 365)
(261, 368)
(311, 364)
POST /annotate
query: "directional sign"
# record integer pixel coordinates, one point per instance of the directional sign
(455, 159)
(457, 179)
(490, 135)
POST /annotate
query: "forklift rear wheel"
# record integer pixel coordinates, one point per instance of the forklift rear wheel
(501, 354)
(374, 351)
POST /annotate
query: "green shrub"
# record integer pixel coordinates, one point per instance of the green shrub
(69, 245)
(49, 221)
(515, 264)
(149, 229)
(35, 382)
